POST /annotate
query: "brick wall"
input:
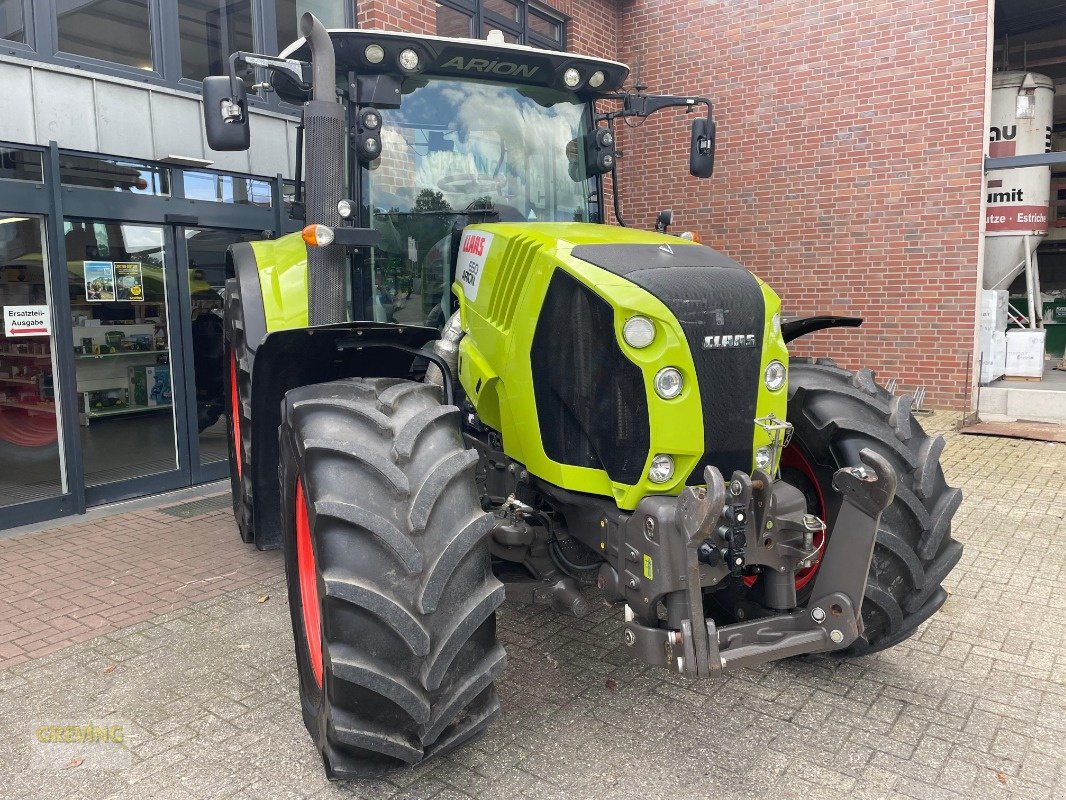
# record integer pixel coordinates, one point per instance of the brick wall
(849, 169)
(849, 165)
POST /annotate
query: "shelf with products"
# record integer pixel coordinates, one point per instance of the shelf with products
(117, 412)
(43, 408)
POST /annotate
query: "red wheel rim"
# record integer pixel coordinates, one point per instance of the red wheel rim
(305, 568)
(792, 457)
(235, 412)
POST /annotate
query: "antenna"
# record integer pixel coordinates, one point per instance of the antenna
(637, 85)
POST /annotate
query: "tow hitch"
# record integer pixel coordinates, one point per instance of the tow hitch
(709, 532)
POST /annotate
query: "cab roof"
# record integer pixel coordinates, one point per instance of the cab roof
(467, 58)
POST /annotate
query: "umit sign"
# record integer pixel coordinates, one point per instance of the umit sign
(27, 321)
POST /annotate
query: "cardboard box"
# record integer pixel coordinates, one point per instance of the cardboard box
(158, 385)
(1025, 353)
(993, 348)
(993, 311)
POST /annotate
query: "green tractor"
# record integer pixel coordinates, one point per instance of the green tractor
(455, 386)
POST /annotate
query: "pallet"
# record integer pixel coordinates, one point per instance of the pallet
(1022, 378)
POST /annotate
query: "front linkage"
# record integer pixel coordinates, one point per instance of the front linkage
(670, 548)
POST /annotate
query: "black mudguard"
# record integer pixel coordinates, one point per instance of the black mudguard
(795, 328)
(287, 359)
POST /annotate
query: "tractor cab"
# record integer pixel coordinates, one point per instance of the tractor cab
(440, 133)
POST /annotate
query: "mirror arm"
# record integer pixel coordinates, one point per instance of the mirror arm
(614, 182)
(297, 71)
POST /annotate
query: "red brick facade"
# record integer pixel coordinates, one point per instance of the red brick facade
(849, 167)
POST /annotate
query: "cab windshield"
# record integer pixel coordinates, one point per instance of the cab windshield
(458, 152)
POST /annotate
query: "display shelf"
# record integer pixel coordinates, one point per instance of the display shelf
(117, 412)
(124, 353)
(46, 356)
(43, 407)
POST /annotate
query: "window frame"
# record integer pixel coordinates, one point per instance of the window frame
(520, 29)
(42, 45)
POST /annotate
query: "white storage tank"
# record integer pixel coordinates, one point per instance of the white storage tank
(1017, 199)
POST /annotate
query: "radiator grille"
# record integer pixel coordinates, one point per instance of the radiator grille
(591, 403)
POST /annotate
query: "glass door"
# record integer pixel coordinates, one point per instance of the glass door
(31, 464)
(203, 251)
(121, 301)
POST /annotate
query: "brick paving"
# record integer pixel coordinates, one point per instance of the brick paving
(81, 580)
(973, 706)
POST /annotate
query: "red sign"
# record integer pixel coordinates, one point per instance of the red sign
(1021, 219)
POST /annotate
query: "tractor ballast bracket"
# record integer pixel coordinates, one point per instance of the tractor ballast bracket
(832, 618)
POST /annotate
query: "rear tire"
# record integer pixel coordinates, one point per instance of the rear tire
(399, 582)
(836, 414)
(238, 373)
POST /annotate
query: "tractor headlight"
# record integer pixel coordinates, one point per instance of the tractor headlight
(571, 77)
(668, 383)
(409, 59)
(764, 456)
(596, 80)
(774, 375)
(374, 53)
(638, 332)
(661, 469)
(345, 208)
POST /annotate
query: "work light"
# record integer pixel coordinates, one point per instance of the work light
(571, 77)
(661, 469)
(774, 375)
(668, 383)
(374, 53)
(638, 332)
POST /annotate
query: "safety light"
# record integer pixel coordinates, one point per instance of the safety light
(596, 80)
(409, 59)
(374, 53)
(774, 375)
(763, 457)
(638, 332)
(571, 77)
(661, 469)
(317, 235)
(370, 119)
(692, 236)
(345, 208)
(775, 324)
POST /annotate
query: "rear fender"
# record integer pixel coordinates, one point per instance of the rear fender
(288, 359)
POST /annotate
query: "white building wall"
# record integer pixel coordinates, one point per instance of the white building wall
(117, 117)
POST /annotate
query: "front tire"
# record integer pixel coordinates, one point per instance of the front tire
(836, 413)
(390, 585)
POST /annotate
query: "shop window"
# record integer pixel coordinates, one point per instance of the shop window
(453, 22)
(13, 20)
(218, 188)
(520, 22)
(17, 164)
(30, 466)
(209, 31)
(118, 31)
(115, 174)
(288, 13)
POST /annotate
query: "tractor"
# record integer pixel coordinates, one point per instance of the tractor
(454, 384)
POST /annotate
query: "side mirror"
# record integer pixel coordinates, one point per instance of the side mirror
(666, 218)
(226, 114)
(701, 149)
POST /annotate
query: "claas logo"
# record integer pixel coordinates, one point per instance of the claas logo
(475, 245)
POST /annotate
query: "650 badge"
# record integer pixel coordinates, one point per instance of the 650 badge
(473, 250)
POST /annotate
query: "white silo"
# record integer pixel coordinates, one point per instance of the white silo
(1016, 217)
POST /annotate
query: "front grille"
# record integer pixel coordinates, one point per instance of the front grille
(710, 295)
(591, 403)
(710, 301)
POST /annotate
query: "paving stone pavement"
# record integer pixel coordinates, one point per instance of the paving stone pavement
(974, 706)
